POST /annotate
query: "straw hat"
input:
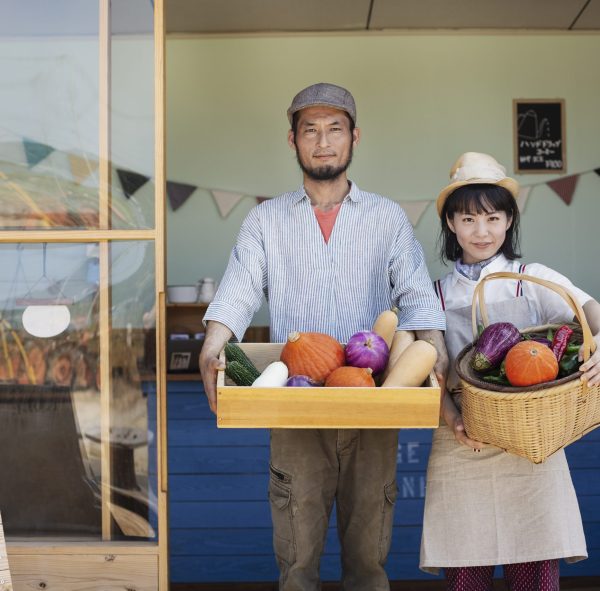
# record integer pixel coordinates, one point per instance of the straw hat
(476, 168)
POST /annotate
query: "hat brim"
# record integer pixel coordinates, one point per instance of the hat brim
(508, 183)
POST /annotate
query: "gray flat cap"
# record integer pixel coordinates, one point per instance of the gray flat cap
(323, 94)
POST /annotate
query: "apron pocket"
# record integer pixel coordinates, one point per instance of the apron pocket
(390, 493)
(280, 499)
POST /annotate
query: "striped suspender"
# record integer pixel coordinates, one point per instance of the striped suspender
(437, 284)
(520, 282)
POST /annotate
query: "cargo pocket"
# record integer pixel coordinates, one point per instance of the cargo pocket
(280, 499)
(390, 492)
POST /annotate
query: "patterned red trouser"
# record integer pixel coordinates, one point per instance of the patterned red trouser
(524, 576)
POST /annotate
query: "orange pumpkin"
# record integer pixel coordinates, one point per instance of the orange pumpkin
(529, 363)
(312, 354)
(351, 377)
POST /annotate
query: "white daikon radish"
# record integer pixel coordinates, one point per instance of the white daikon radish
(275, 375)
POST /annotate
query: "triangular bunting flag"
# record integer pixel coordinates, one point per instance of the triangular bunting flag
(226, 201)
(414, 210)
(178, 193)
(522, 198)
(81, 168)
(131, 181)
(259, 200)
(35, 152)
(565, 187)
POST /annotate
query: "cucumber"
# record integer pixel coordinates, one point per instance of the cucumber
(239, 367)
(240, 373)
(234, 353)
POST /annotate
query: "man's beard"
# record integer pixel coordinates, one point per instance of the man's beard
(327, 172)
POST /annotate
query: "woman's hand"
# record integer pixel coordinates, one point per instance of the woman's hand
(461, 436)
(591, 368)
(454, 420)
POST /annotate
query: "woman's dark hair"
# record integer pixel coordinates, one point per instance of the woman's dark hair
(479, 198)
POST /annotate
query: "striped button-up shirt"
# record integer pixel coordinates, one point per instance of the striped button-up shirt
(371, 262)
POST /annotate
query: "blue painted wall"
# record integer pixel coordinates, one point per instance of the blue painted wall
(220, 518)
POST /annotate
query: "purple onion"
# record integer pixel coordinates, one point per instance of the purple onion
(367, 349)
(301, 382)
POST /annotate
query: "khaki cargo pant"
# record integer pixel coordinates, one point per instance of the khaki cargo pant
(310, 468)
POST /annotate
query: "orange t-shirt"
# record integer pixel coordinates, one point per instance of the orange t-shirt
(326, 220)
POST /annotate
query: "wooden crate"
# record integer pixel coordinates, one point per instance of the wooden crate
(322, 408)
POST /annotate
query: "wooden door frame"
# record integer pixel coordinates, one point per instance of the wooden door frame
(45, 561)
(160, 278)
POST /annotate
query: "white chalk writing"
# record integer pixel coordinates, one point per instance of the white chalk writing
(408, 453)
(412, 487)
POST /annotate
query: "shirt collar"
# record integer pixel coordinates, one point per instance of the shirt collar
(497, 264)
(355, 194)
(473, 270)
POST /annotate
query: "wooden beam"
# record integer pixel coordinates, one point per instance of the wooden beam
(71, 236)
(104, 264)
(160, 278)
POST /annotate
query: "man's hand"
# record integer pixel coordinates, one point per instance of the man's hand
(217, 335)
(436, 338)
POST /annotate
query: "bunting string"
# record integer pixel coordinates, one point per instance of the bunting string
(81, 167)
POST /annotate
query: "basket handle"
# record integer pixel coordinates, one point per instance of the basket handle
(589, 346)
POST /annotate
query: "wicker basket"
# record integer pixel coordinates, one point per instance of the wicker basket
(536, 421)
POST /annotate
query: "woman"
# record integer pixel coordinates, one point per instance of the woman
(485, 507)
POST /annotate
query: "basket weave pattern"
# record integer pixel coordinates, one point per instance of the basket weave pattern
(536, 421)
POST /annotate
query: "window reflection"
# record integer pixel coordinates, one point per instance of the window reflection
(52, 77)
(50, 400)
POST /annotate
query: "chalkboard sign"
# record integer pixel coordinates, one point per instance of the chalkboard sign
(539, 132)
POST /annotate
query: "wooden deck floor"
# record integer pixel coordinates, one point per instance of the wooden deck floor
(566, 584)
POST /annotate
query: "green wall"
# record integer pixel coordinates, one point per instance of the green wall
(422, 100)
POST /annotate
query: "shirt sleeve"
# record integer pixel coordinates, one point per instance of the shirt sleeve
(553, 307)
(412, 289)
(241, 290)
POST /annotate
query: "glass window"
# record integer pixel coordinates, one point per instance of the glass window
(51, 406)
(57, 79)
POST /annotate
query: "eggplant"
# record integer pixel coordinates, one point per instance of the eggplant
(301, 382)
(542, 341)
(493, 344)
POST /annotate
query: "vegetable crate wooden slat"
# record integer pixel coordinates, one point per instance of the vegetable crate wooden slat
(320, 407)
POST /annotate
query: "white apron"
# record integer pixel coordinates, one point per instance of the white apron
(493, 507)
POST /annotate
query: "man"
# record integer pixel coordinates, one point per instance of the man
(329, 257)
